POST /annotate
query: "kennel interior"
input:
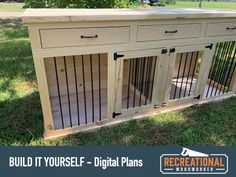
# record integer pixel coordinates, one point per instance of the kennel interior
(185, 74)
(77, 88)
(222, 70)
(138, 80)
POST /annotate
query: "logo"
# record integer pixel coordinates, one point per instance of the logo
(193, 162)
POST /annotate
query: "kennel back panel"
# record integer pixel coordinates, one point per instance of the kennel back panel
(138, 81)
(222, 71)
(185, 74)
(77, 88)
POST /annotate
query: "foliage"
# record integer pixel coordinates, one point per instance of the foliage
(76, 3)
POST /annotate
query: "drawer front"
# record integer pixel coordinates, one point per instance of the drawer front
(163, 32)
(218, 29)
(71, 37)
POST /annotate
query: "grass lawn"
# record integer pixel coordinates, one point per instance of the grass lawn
(210, 5)
(21, 116)
(11, 7)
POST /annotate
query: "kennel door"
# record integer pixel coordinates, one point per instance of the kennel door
(187, 73)
(136, 73)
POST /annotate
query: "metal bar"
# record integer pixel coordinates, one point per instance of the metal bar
(219, 66)
(225, 68)
(140, 73)
(59, 94)
(191, 83)
(84, 88)
(222, 68)
(177, 80)
(129, 82)
(229, 69)
(153, 76)
(76, 91)
(135, 80)
(99, 85)
(232, 71)
(68, 92)
(186, 58)
(143, 70)
(92, 94)
(147, 77)
(189, 69)
(214, 63)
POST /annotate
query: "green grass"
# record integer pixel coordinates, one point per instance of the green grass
(210, 5)
(11, 7)
(21, 116)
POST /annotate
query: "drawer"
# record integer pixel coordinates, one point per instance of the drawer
(218, 29)
(70, 37)
(163, 32)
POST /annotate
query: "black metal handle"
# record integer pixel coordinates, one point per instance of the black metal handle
(174, 31)
(231, 28)
(82, 36)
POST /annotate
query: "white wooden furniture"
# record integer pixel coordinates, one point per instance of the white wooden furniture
(99, 67)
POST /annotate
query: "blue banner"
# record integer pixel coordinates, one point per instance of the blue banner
(103, 161)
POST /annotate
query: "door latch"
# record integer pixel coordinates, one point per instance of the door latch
(172, 50)
(164, 51)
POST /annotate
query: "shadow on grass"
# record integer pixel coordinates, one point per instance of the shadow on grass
(11, 23)
(211, 124)
(21, 120)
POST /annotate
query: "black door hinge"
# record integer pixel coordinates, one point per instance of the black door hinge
(114, 114)
(164, 51)
(117, 56)
(172, 50)
(197, 97)
(209, 46)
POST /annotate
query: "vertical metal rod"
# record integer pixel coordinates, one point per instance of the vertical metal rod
(191, 83)
(129, 82)
(99, 85)
(229, 70)
(186, 58)
(142, 82)
(234, 68)
(135, 81)
(190, 65)
(177, 79)
(76, 90)
(59, 94)
(225, 67)
(92, 94)
(68, 92)
(214, 65)
(85, 106)
(133, 72)
(153, 76)
(147, 77)
(219, 67)
(222, 68)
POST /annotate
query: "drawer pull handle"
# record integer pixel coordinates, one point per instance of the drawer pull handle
(231, 28)
(174, 31)
(83, 37)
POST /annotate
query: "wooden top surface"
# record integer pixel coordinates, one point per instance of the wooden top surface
(73, 15)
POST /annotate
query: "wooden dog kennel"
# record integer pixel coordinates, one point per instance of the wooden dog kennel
(99, 67)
